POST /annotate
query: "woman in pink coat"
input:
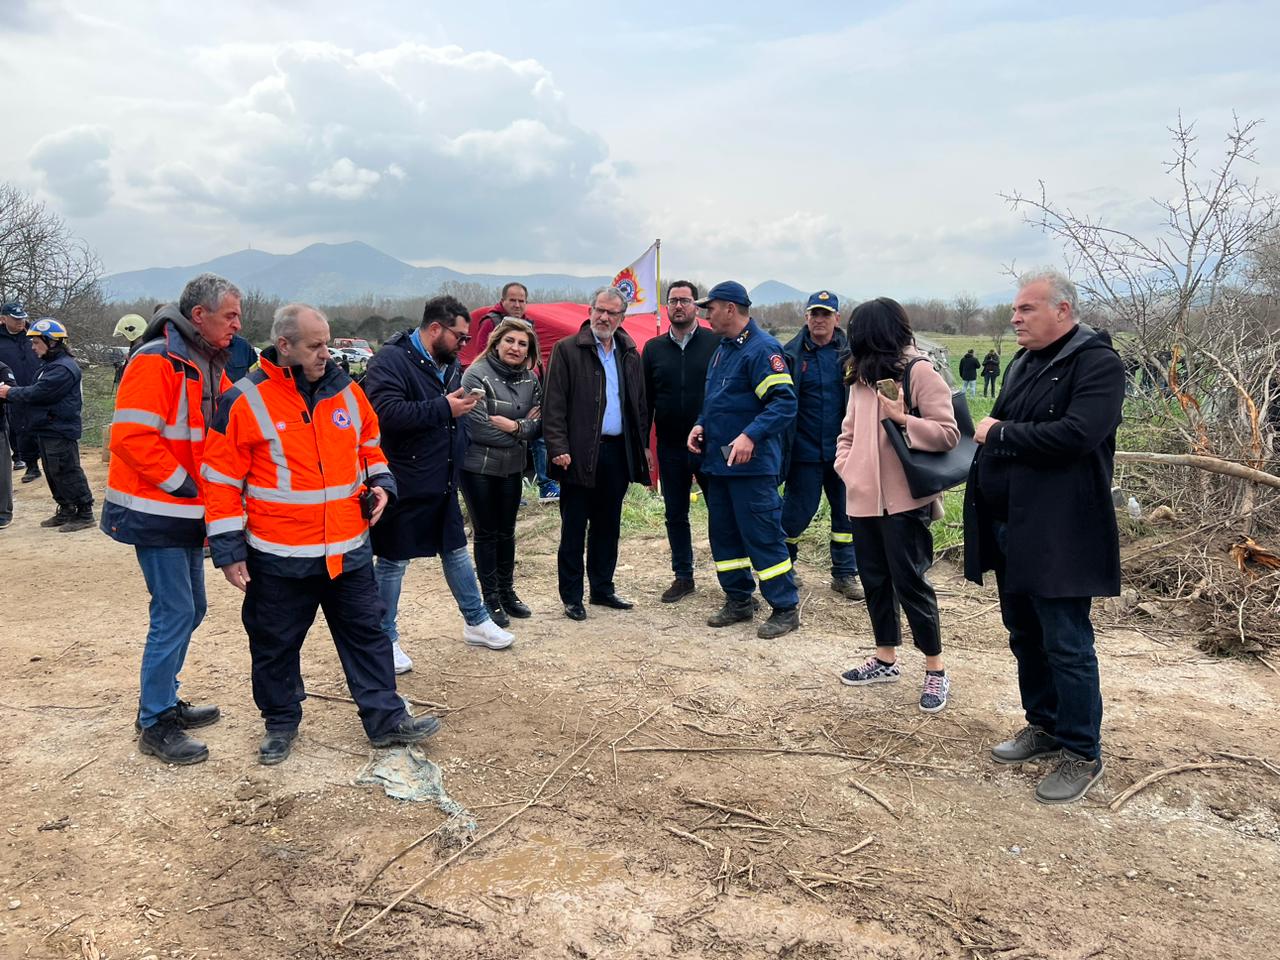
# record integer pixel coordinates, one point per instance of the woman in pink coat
(890, 527)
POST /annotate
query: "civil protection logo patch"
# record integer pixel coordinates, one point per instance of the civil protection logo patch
(629, 284)
(341, 419)
(779, 365)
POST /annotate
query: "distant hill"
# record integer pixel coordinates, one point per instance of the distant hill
(324, 273)
(775, 291)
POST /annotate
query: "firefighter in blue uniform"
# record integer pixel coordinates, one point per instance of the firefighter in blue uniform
(750, 404)
(816, 356)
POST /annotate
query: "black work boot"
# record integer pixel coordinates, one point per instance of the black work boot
(188, 715)
(733, 611)
(409, 730)
(81, 518)
(167, 740)
(60, 516)
(779, 622)
(275, 746)
(33, 473)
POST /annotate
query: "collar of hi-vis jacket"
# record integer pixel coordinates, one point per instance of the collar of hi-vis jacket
(331, 384)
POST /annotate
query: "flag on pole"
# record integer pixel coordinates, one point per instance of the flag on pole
(640, 283)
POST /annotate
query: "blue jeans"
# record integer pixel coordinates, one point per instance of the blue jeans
(175, 580)
(1052, 640)
(539, 447)
(677, 468)
(806, 482)
(971, 388)
(458, 574)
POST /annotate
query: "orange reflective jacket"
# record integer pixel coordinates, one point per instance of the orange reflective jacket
(157, 442)
(296, 469)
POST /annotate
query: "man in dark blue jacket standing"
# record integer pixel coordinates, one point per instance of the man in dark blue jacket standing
(16, 351)
(816, 356)
(414, 385)
(750, 403)
(51, 409)
(6, 475)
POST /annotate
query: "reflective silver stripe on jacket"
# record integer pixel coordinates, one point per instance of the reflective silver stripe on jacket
(175, 480)
(353, 409)
(326, 495)
(144, 418)
(306, 549)
(214, 476)
(227, 525)
(157, 508)
(267, 427)
(377, 468)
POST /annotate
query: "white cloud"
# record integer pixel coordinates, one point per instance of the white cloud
(73, 166)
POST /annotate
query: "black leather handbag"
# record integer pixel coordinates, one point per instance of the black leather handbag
(930, 473)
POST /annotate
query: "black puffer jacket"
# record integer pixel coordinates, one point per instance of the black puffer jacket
(51, 406)
(510, 393)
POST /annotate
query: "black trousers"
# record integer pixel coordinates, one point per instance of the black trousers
(278, 612)
(67, 482)
(592, 516)
(894, 554)
(493, 503)
(989, 384)
(22, 442)
(677, 469)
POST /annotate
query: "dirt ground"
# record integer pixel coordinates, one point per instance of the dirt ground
(860, 828)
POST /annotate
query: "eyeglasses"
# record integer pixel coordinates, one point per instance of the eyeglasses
(462, 338)
(614, 314)
(679, 301)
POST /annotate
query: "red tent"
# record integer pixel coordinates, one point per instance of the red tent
(553, 322)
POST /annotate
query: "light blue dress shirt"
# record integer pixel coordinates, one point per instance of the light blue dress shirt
(612, 426)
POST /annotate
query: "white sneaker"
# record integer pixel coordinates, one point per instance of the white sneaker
(487, 634)
(403, 663)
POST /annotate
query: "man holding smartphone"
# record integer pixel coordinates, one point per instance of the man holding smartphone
(414, 383)
(750, 403)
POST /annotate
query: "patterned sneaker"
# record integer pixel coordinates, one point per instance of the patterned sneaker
(873, 671)
(934, 696)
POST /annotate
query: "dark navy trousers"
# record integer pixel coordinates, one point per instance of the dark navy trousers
(806, 484)
(744, 519)
(278, 612)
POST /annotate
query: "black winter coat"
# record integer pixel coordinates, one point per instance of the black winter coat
(1058, 433)
(51, 406)
(8, 379)
(969, 367)
(573, 406)
(424, 445)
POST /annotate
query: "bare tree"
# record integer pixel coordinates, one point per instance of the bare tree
(996, 324)
(42, 263)
(964, 308)
(1201, 357)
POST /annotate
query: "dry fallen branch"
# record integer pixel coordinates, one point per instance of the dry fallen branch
(785, 751)
(874, 796)
(689, 836)
(1151, 778)
(711, 805)
(1227, 468)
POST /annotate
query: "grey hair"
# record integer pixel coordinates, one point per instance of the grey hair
(610, 292)
(1061, 289)
(284, 323)
(206, 290)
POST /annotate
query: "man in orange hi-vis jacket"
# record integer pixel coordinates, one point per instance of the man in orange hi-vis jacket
(294, 477)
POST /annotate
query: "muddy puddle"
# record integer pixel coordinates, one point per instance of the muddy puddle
(539, 865)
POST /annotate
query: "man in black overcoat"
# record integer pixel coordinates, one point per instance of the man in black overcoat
(1038, 512)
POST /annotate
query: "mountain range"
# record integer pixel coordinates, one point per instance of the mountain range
(329, 273)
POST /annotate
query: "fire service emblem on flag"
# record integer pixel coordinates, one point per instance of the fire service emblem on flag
(627, 282)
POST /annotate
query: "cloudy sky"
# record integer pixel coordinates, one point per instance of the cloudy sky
(860, 146)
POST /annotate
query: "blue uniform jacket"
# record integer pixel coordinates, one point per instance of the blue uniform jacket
(822, 394)
(52, 404)
(749, 390)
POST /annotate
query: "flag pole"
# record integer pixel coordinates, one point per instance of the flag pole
(657, 269)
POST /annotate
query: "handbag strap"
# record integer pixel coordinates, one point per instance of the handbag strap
(912, 409)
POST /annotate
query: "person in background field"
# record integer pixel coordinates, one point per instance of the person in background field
(593, 419)
(969, 367)
(749, 405)
(507, 416)
(155, 502)
(6, 475)
(816, 356)
(16, 351)
(891, 527)
(241, 356)
(131, 326)
(675, 379)
(294, 478)
(1038, 512)
(51, 413)
(414, 384)
(990, 371)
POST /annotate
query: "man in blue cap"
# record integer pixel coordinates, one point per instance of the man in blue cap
(817, 356)
(749, 405)
(16, 352)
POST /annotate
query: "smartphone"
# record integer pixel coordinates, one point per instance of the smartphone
(725, 451)
(888, 387)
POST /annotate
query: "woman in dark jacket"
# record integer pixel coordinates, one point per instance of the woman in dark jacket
(52, 407)
(990, 371)
(501, 425)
